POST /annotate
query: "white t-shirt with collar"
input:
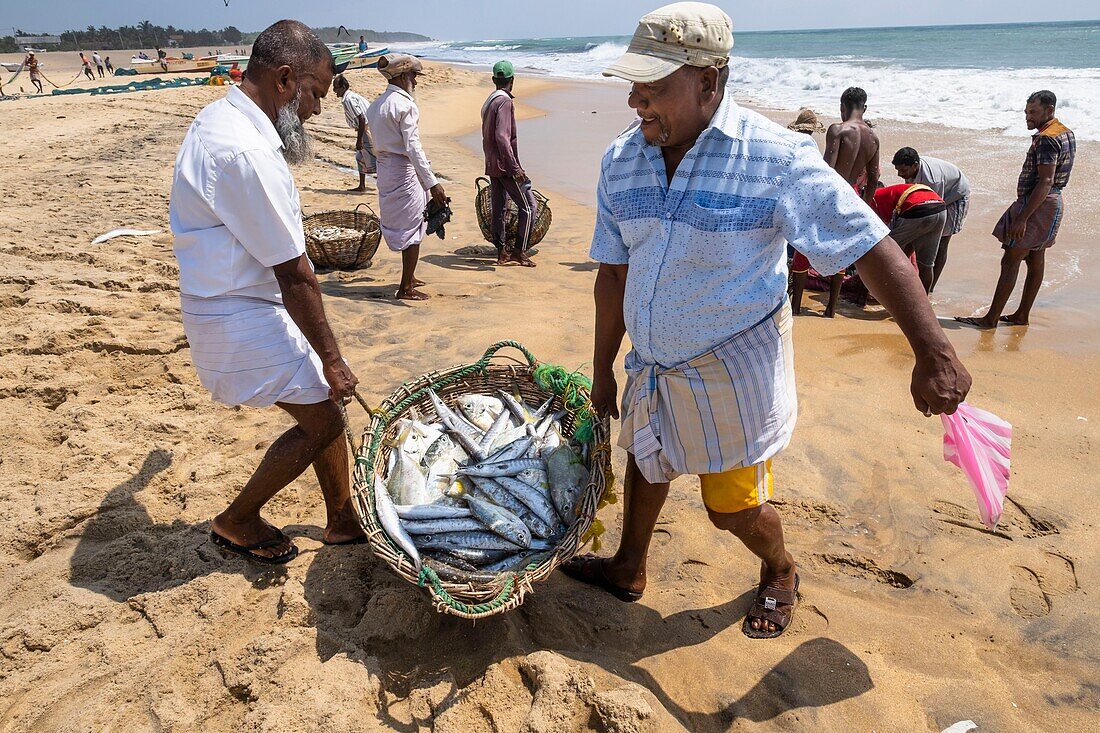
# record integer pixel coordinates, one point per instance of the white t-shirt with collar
(234, 211)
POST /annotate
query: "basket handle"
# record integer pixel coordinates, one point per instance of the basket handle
(429, 578)
(356, 209)
(481, 182)
(492, 350)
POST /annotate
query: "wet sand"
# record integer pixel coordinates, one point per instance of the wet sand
(119, 614)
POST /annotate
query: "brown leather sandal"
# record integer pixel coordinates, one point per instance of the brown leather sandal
(766, 608)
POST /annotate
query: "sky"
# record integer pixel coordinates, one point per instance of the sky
(494, 19)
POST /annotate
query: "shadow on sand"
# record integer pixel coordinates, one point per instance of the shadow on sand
(123, 553)
(359, 606)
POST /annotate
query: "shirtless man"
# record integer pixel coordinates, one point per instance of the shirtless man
(851, 146)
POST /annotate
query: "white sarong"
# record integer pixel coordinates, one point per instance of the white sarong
(248, 351)
(401, 202)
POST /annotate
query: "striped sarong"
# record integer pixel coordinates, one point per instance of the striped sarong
(732, 407)
(248, 351)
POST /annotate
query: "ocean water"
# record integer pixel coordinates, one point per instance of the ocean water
(975, 77)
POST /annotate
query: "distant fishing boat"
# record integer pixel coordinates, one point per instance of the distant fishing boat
(364, 59)
(172, 65)
(342, 53)
(233, 59)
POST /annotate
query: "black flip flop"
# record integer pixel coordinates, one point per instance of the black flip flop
(248, 551)
(576, 569)
(765, 608)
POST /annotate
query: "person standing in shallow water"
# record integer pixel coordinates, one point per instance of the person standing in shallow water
(695, 204)
(251, 304)
(1030, 225)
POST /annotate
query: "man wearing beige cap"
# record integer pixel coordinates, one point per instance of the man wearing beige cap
(695, 202)
(404, 173)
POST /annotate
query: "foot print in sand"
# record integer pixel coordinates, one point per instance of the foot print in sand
(1034, 588)
(859, 566)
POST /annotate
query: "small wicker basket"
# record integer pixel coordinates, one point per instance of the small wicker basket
(483, 203)
(454, 591)
(343, 253)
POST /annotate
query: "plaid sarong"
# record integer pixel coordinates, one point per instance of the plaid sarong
(732, 407)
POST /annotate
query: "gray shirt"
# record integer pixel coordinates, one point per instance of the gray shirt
(944, 178)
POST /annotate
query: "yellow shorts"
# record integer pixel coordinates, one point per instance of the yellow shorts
(737, 490)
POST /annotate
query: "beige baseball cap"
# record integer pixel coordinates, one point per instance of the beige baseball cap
(693, 34)
(395, 64)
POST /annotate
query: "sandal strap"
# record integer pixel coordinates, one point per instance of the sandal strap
(780, 596)
(779, 618)
(265, 544)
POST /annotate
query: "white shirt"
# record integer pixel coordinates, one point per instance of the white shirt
(98, 59)
(354, 105)
(707, 254)
(394, 121)
(234, 211)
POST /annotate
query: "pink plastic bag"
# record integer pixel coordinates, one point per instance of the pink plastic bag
(980, 443)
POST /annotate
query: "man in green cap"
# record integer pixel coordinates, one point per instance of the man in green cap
(506, 175)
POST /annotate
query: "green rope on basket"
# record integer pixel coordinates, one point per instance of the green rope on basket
(569, 386)
(428, 576)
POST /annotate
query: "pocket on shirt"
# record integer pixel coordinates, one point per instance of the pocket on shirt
(748, 217)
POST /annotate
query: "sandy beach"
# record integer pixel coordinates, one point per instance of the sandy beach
(119, 614)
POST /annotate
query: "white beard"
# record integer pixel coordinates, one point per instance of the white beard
(297, 145)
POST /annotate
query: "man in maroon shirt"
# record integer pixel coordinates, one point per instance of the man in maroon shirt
(506, 175)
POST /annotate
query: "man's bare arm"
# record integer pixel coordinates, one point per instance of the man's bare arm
(940, 381)
(609, 291)
(302, 298)
(832, 145)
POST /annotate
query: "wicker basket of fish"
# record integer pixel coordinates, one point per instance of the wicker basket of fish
(342, 240)
(483, 203)
(476, 482)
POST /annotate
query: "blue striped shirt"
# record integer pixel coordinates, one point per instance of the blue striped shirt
(707, 253)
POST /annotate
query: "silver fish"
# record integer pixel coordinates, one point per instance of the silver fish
(442, 447)
(406, 482)
(432, 511)
(454, 561)
(476, 557)
(501, 521)
(420, 527)
(493, 491)
(495, 430)
(568, 477)
(516, 407)
(508, 437)
(473, 540)
(515, 449)
(502, 468)
(391, 523)
(481, 410)
(536, 478)
(454, 422)
(534, 499)
(414, 438)
(516, 562)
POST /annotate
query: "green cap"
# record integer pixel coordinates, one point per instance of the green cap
(503, 70)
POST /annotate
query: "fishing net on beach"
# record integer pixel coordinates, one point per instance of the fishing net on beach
(342, 240)
(483, 203)
(477, 594)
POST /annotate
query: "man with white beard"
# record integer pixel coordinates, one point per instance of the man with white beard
(405, 177)
(251, 305)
